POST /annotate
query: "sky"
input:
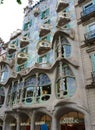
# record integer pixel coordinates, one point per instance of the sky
(11, 17)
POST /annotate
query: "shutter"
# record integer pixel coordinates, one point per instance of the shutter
(93, 61)
(48, 37)
(30, 23)
(39, 59)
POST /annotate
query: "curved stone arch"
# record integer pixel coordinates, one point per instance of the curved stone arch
(57, 34)
(2, 118)
(44, 117)
(28, 114)
(10, 115)
(69, 107)
(44, 111)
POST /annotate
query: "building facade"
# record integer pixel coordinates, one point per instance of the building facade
(47, 69)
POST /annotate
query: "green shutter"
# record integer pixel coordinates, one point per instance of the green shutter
(45, 14)
(39, 59)
(48, 38)
(93, 61)
(30, 22)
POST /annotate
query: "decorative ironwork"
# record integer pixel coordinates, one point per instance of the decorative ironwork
(88, 13)
(90, 36)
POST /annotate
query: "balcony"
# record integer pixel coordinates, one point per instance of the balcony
(63, 18)
(90, 37)
(81, 1)
(11, 48)
(22, 58)
(36, 12)
(24, 41)
(62, 4)
(43, 47)
(93, 76)
(88, 13)
(45, 29)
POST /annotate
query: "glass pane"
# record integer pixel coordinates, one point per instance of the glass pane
(43, 79)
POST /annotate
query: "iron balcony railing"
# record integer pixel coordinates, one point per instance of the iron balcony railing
(80, 1)
(93, 76)
(90, 35)
(88, 11)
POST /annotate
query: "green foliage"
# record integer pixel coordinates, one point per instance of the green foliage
(1, 1)
(19, 1)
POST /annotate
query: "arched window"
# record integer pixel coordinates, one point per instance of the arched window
(3, 72)
(9, 96)
(14, 92)
(66, 82)
(44, 89)
(2, 96)
(65, 47)
(29, 88)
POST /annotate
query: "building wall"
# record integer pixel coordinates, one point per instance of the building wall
(67, 72)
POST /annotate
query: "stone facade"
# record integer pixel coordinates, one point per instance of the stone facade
(46, 74)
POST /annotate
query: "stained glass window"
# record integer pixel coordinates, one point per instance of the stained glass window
(43, 79)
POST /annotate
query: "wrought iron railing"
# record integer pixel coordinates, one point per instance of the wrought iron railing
(93, 76)
(88, 11)
(90, 35)
(80, 1)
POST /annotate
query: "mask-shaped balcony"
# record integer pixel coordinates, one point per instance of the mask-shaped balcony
(45, 29)
(36, 12)
(11, 48)
(63, 18)
(22, 58)
(43, 47)
(62, 4)
(24, 41)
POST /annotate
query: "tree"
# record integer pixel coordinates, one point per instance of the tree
(18, 1)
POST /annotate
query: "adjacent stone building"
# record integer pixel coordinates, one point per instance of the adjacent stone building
(47, 69)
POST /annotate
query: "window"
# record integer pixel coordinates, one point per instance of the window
(29, 88)
(66, 83)
(87, 6)
(92, 56)
(2, 96)
(30, 23)
(47, 38)
(65, 47)
(26, 25)
(47, 22)
(45, 14)
(4, 73)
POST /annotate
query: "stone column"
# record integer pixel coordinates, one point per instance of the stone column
(18, 123)
(21, 96)
(54, 123)
(88, 122)
(4, 125)
(36, 89)
(32, 125)
(61, 80)
(59, 48)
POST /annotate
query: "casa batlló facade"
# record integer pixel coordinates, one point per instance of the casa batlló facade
(47, 69)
